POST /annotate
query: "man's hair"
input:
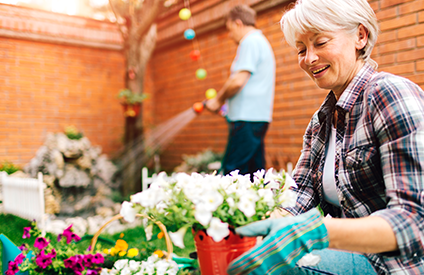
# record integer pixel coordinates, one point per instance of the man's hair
(330, 15)
(246, 14)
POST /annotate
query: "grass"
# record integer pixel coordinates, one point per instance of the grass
(12, 227)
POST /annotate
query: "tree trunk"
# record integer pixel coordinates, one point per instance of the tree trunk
(137, 57)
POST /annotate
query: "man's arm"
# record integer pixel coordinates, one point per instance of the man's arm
(232, 86)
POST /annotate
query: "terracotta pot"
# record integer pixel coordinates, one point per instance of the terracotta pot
(131, 110)
(214, 257)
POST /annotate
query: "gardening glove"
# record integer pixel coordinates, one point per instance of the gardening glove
(287, 240)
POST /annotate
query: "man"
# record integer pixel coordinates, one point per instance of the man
(249, 92)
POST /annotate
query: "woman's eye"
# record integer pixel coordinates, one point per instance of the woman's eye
(300, 52)
(321, 43)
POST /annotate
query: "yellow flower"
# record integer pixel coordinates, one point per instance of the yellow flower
(106, 251)
(132, 252)
(159, 253)
(121, 245)
(122, 253)
(121, 235)
(160, 235)
(113, 251)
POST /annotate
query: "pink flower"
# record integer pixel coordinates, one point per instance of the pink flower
(23, 247)
(12, 268)
(75, 263)
(69, 235)
(52, 254)
(26, 233)
(98, 258)
(19, 259)
(88, 260)
(43, 260)
(93, 271)
(40, 243)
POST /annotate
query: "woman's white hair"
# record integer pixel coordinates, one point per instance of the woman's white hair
(330, 15)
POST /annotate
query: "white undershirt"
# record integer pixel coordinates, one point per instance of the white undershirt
(328, 180)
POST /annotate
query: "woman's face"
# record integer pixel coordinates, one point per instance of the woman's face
(330, 58)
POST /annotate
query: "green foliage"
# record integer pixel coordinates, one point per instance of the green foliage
(200, 162)
(9, 167)
(128, 97)
(72, 132)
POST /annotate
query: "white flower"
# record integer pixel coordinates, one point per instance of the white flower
(120, 264)
(218, 230)
(202, 214)
(272, 179)
(289, 182)
(178, 237)
(287, 199)
(211, 200)
(267, 196)
(150, 197)
(134, 265)
(258, 176)
(126, 271)
(128, 211)
(247, 207)
(149, 232)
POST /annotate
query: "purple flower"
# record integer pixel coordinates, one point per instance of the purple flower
(40, 243)
(43, 260)
(23, 247)
(12, 268)
(98, 258)
(69, 235)
(88, 260)
(19, 259)
(26, 233)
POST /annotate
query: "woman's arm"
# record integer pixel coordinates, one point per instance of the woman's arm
(365, 235)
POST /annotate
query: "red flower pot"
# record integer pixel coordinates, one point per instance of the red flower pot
(214, 257)
(131, 110)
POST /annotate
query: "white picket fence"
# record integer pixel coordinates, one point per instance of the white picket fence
(24, 197)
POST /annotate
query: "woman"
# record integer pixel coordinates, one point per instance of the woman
(362, 160)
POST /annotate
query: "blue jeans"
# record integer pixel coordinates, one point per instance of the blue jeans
(336, 262)
(245, 148)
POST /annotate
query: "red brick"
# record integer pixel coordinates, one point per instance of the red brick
(399, 22)
(414, 6)
(410, 55)
(420, 66)
(387, 13)
(421, 17)
(389, 3)
(412, 31)
(399, 69)
(396, 46)
(420, 41)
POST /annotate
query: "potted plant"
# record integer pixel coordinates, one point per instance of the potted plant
(212, 206)
(131, 102)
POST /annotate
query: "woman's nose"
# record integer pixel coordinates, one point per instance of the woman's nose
(311, 57)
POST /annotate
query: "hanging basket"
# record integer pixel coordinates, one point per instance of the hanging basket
(131, 110)
(214, 257)
(168, 241)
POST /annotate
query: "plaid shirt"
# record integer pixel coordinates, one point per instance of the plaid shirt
(379, 162)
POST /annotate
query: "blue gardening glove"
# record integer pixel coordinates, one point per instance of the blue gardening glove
(287, 241)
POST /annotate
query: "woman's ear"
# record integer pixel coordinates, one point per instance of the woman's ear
(362, 37)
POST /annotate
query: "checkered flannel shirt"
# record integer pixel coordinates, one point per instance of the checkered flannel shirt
(380, 162)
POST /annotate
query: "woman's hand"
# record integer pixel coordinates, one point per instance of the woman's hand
(287, 241)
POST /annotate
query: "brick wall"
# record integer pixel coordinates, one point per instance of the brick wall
(400, 50)
(57, 70)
